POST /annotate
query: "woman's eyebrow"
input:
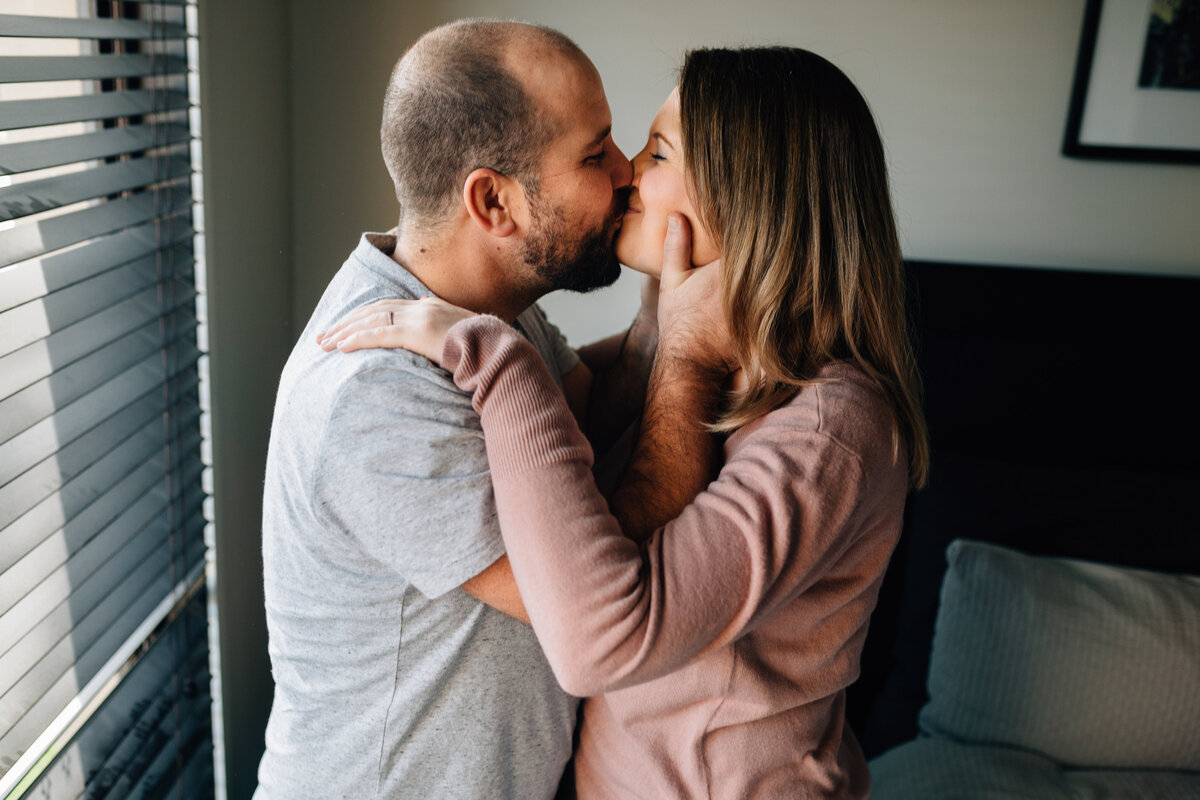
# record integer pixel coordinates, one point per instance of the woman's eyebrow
(664, 140)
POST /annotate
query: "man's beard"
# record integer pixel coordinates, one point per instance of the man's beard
(563, 260)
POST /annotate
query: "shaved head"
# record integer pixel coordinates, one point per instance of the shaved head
(455, 103)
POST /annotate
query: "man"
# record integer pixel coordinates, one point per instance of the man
(400, 665)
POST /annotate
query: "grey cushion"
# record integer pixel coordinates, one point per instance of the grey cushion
(939, 769)
(1087, 664)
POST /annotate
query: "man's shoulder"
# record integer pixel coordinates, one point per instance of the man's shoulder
(368, 389)
(367, 275)
(396, 383)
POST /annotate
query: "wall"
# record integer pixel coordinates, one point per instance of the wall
(971, 99)
(243, 54)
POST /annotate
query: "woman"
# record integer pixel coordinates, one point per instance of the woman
(716, 654)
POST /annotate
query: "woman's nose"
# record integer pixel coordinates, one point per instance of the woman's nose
(623, 170)
(639, 166)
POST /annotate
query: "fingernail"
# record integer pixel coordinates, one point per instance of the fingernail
(672, 223)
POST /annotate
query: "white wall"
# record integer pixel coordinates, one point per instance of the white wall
(971, 98)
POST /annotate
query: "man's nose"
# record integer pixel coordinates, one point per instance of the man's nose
(622, 173)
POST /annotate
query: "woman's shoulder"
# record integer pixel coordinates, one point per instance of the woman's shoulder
(844, 406)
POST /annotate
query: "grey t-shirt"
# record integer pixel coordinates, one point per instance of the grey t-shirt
(390, 681)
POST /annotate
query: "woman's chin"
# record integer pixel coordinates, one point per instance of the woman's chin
(653, 270)
(636, 261)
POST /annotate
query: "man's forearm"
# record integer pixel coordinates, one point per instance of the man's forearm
(676, 456)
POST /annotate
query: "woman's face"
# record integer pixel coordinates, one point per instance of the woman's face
(659, 187)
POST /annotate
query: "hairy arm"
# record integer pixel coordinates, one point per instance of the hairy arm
(497, 587)
(620, 367)
(676, 456)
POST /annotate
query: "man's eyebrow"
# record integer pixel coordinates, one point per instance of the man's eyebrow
(664, 140)
(600, 138)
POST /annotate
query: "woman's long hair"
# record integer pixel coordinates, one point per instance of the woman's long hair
(786, 167)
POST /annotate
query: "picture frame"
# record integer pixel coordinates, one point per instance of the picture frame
(1124, 105)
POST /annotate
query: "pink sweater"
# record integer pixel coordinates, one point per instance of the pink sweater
(717, 654)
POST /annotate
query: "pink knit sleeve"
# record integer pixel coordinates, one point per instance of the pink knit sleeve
(607, 612)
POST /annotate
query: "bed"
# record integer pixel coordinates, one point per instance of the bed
(1008, 655)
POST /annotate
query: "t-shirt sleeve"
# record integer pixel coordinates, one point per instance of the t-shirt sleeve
(403, 470)
(565, 357)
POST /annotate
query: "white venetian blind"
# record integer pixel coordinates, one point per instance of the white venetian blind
(104, 686)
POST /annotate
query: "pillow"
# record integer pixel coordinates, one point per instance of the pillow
(1081, 512)
(1088, 664)
(939, 769)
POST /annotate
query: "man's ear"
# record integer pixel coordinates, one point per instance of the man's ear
(494, 201)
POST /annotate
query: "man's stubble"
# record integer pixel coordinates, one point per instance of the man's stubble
(563, 259)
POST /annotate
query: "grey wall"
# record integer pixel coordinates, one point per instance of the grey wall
(971, 98)
(247, 189)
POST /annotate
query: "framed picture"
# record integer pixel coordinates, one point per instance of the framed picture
(1137, 82)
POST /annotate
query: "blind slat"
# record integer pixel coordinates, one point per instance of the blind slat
(34, 197)
(43, 153)
(156, 680)
(54, 608)
(100, 758)
(34, 69)
(38, 237)
(65, 613)
(73, 420)
(84, 108)
(39, 277)
(60, 567)
(64, 347)
(47, 688)
(33, 529)
(37, 319)
(84, 28)
(38, 401)
(73, 487)
(47, 477)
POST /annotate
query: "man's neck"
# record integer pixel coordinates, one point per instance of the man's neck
(463, 274)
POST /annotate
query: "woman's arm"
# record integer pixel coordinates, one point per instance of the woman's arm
(608, 612)
(611, 613)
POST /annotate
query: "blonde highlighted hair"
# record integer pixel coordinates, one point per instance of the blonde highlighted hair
(787, 170)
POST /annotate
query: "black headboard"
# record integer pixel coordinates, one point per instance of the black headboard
(1061, 422)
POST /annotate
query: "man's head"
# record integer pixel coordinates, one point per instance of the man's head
(508, 124)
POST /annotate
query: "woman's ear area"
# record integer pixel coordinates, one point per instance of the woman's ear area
(495, 202)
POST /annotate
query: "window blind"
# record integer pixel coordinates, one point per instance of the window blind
(104, 661)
